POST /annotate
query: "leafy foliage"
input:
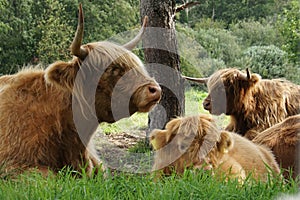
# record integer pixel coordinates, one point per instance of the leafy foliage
(196, 58)
(15, 19)
(289, 26)
(42, 30)
(231, 11)
(53, 30)
(270, 62)
(256, 33)
(219, 43)
(212, 35)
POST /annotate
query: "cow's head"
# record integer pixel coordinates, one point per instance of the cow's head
(116, 77)
(186, 142)
(226, 90)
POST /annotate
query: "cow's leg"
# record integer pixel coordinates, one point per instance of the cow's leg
(94, 164)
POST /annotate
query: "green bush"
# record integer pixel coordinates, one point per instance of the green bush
(53, 33)
(232, 10)
(289, 26)
(194, 59)
(269, 62)
(188, 69)
(220, 44)
(15, 18)
(208, 23)
(42, 30)
(255, 33)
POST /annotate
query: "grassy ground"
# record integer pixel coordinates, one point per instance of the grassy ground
(192, 185)
(193, 106)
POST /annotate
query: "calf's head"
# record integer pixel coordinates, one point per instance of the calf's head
(187, 142)
(226, 90)
(105, 76)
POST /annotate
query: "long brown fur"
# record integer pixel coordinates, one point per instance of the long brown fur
(196, 142)
(37, 127)
(254, 104)
(283, 139)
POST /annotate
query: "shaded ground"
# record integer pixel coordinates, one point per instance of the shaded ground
(126, 140)
(114, 150)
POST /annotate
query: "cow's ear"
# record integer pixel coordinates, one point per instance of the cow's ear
(61, 74)
(248, 76)
(225, 143)
(173, 125)
(254, 79)
(159, 138)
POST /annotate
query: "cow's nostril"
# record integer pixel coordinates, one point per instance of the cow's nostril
(152, 89)
(206, 104)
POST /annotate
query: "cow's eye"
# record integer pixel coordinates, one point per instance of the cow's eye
(183, 148)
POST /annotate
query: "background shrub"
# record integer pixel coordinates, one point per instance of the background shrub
(256, 33)
(270, 62)
(220, 44)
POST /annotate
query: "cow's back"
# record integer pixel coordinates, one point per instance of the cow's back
(283, 139)
(269, 102)
(252, 157)
(30, 116)
(283, 93)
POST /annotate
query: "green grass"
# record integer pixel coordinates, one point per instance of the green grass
(193, 106)
(136, 121)
(193, 101)
(192, 185)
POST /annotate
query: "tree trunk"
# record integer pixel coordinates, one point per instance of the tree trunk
(162, 60)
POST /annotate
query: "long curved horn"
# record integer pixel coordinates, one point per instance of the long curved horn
(76, 49)
(198, 80)
(245, 77)
(130, 45)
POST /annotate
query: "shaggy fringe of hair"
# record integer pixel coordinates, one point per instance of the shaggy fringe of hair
(204, 145)
(103, 55)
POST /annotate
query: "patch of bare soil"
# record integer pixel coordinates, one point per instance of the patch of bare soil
(126, 140)
(113, 151)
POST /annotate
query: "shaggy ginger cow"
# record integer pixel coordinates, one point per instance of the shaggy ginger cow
(253, 104)
(283, 139)
(196, 142)
(46, 117)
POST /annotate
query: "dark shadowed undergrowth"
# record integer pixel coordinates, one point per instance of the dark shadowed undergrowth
(192, 185)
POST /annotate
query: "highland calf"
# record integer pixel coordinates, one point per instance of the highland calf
(196, 142)
(48, 117)
(283, 139)
(253, 104)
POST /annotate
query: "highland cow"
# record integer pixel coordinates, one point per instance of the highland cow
(253, 104)
(48, 117)
(196, 142)
(283, 139)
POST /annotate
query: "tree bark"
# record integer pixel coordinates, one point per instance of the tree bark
(162, 60)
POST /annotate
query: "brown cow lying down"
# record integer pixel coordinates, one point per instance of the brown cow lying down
(47, 119)
(253, 104)
(283, 139)
(196, 142)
